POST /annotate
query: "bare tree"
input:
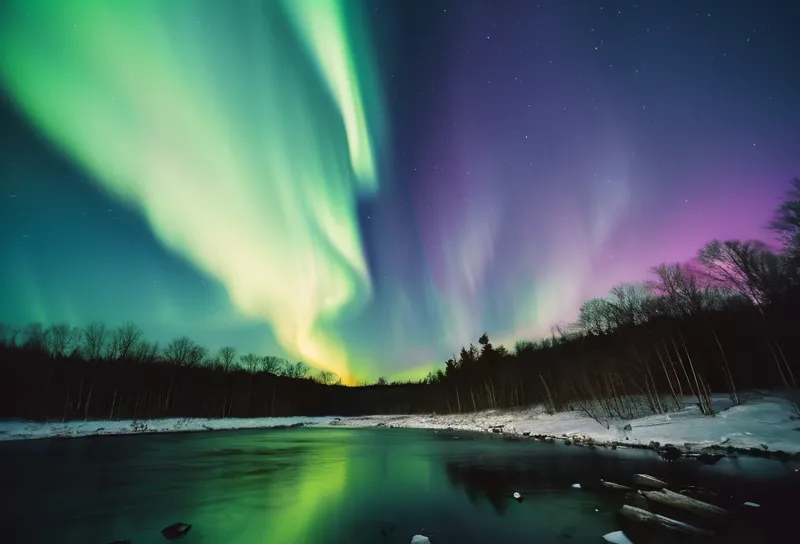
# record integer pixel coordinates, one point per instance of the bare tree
(94, 339)
(146, 352)
(274, 365)
(197, 356)
(250, 362)
(749, 268)
(786, 221)
(181, 351)
(226, 356)
(630, 304)
(35, 337)
(12, 336)
(297, 370)
(593, 316)
(326, 377)
(61, 340)
(124, 340)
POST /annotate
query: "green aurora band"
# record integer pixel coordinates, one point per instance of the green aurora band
(239, 130)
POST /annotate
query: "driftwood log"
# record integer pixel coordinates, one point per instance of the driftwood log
(615, 487)
(645, 480)
(635, 498)
(648, 518)
(676, 500)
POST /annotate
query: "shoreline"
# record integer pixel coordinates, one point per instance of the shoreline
(763, 426)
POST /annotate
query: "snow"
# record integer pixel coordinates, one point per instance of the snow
(20, 430)
(617, 537)
(760, 421)
(576, 486)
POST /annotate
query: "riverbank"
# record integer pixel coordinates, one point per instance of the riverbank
(763, 424)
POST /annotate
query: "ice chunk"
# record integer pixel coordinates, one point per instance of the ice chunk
(617, 537)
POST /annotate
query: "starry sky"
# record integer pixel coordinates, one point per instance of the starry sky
(367, 186)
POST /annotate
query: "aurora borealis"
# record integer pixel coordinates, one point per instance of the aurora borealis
(367, 186)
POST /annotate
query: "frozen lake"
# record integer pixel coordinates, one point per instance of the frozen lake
(338, 485)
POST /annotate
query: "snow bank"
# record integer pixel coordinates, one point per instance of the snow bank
(761, 421)
(21, 430)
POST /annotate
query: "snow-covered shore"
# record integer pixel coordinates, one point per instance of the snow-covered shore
(762, 421)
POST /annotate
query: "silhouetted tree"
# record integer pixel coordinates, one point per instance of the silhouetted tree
(123, 341)
(226, 357)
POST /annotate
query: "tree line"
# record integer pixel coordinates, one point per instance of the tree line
(725, 321)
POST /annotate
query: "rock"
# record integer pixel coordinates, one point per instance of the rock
(613, 446)
(567, 442)
(627, 428)
(709, 458)
(176, 531)
(497, 430)
(670, 453)
(655, 445)
(518, 496)
(526, 433)
(420, 539)
(576, 486)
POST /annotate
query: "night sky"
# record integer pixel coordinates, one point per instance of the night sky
(367, 187)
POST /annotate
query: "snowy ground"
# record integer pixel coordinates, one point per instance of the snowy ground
(22, 430)
(761, 420)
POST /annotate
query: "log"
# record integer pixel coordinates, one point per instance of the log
(676, 500)
(648, 518)
(615, 487)
(636, 499)
(645, 480)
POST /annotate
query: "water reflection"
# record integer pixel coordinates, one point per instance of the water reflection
(317, 485)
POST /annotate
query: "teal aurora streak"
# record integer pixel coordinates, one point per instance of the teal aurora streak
(242, 148)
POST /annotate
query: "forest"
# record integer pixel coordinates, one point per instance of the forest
(723, 322)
